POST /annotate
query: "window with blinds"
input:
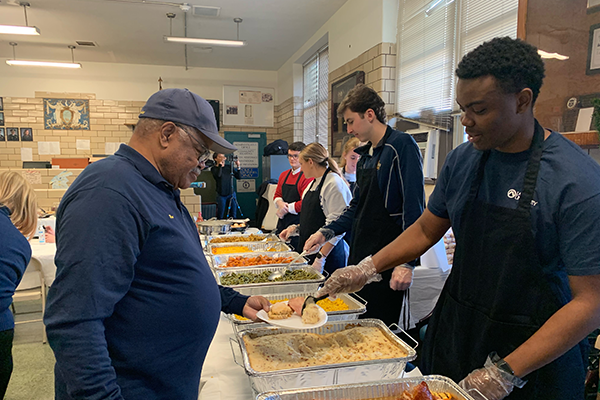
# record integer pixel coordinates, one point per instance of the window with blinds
(433, 35)
(316, 76)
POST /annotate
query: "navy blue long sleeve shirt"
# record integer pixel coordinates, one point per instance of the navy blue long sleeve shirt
(15, 254)
(134, 305)
(399, 164)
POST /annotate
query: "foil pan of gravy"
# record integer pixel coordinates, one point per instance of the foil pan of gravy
(322, 375)
(271, 287)
(391, 389)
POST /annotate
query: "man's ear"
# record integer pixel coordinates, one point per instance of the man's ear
(524, 100)
(370, 115)
(166, 133)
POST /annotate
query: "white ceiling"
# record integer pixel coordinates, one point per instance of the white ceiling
(131, 31)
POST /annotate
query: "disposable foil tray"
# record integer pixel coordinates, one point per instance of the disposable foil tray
(220, 260)
(323, 375)
(253, 289)
(253, 247)
(206, 241)
(373, 390)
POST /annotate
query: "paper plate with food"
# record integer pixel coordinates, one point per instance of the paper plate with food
(294, 314)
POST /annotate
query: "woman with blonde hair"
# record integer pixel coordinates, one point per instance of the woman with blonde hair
(323, 201)
(18, 222)
(348, 162)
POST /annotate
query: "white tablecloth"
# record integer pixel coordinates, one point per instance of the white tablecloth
(42, 257)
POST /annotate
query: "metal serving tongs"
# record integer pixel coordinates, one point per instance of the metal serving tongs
(280, 273)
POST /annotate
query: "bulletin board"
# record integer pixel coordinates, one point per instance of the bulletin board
(248, 106)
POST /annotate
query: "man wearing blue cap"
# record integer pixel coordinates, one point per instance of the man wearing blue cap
(134, 306)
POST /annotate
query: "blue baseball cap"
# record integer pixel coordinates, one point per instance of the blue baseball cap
(187, 108)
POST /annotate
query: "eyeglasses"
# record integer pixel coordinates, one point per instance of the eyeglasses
(293, 155)
(205, 154)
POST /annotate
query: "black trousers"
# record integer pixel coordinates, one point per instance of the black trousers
(6, 361)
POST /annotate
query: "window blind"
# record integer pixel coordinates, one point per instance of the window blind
(316, 76)
(425, 56)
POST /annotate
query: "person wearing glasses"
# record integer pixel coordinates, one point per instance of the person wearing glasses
(135, 306)
(225, 194)
(288, 194)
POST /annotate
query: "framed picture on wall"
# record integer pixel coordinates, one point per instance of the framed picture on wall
(339, 90)
(1, 104)
(26, 135)
(1, 119)
(2, 135)
(12, 134)
(593, 62)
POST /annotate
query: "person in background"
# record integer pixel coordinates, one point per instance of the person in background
(388, 198)
(288, 194)
(523, 203)
(226, 197)
(135, 306)
(323, 201)
(18, 223)
(349, 161)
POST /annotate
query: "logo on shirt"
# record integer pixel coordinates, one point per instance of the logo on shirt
(170, 216)
(515, 194)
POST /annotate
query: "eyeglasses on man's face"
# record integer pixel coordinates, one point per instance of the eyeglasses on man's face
(290, 155)
(203, 154)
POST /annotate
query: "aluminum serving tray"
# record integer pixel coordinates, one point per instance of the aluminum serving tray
(374, 390)
(253, 289)
(356, 307)
(253, 247)
(323, 375)
(206, 240)
(221, 259)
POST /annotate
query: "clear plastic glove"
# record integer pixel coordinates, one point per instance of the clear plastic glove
(314, 242)
(319, 263)
(401, 278)
(288, 232)
(350, 279)
(490, 381)
(282, 209)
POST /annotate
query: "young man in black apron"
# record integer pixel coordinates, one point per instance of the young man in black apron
(388, 198)
(288, 195)
(523, 203)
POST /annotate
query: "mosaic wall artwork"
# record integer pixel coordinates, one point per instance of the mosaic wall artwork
(66, 114)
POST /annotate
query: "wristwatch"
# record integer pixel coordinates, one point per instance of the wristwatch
(320, 255)
(500, 363)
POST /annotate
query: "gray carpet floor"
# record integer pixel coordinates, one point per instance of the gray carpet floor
(33, 372)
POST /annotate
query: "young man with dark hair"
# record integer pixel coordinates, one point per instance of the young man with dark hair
(523, 202)
(288, 194)
(226, 197)
(388, 198)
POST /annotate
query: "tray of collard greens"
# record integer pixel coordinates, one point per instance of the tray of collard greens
(254, 281)
(440, 386)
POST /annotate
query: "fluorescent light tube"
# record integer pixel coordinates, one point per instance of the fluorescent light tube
(43, 64)
(214, 42)
(19, 30)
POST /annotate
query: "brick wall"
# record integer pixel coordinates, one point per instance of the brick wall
(288, 120)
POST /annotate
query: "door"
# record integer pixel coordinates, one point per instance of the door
(250, 147)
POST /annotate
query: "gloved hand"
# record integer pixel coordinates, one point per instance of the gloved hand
(319, 263)
(401, 278)
(288, 232)
(282, 209)
(314, 242)
(493, 382)
(350, 279)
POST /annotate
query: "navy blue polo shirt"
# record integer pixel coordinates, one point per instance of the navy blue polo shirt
(134, 305)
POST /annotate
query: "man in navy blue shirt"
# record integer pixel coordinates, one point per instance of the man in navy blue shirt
(134, 306)
(524, 204)
(388, 198)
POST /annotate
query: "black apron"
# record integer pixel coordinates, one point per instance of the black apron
(372, 230)
(312, 219)
(498, 295)
(290, 194)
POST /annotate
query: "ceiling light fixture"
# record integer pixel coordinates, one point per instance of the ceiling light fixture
(214, 42)
(14, 61)
(557, 56)
(20, 30)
